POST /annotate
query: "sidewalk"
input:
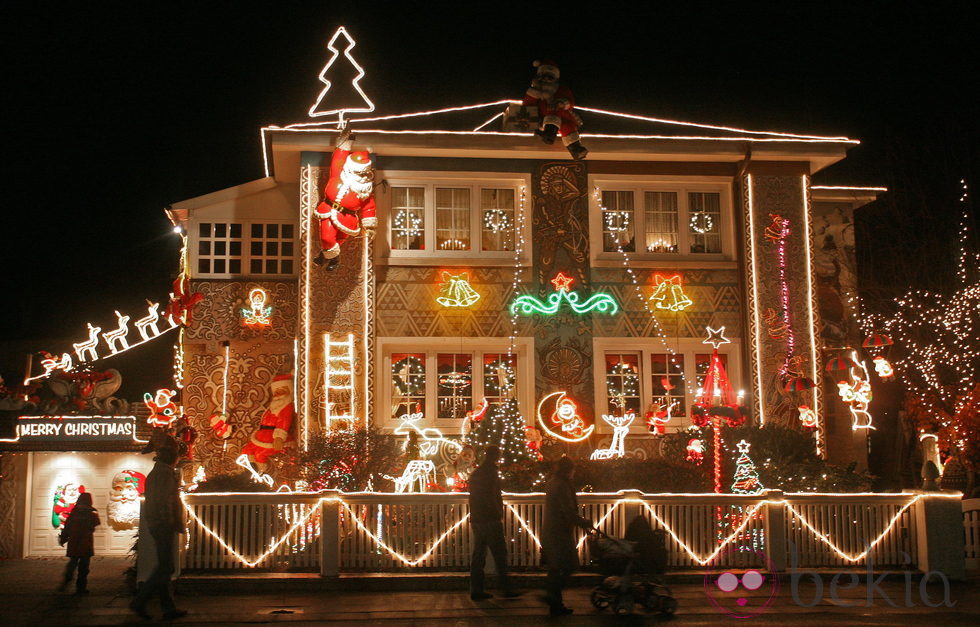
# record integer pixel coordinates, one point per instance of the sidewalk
(28, 597)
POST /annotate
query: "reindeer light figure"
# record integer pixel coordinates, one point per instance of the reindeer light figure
(429, 439)
(149, 323)
(418, 473)
(118, 335)
(621, 426)
(88, 346)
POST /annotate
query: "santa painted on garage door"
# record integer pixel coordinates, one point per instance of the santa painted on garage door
(275, 430)
(348, 204)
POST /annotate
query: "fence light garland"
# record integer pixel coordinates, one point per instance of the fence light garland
(749, 513)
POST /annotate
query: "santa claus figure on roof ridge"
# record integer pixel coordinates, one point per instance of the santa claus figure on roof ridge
(556, 109)
(348, 207)
(275, 430)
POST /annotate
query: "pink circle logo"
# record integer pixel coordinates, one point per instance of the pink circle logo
(738, 593)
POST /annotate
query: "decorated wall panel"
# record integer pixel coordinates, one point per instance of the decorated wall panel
(13, 486)
(563, 341)
(778, 239)
(251, 367)
(219, 315)
(714, 294)
(406, 304)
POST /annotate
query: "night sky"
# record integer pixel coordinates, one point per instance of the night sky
(115, 110)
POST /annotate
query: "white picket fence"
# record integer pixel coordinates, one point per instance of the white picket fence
(380, 532)
(971, 531)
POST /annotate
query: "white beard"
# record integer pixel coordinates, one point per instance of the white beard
(123, 514)
(361, 190)
(279, 402)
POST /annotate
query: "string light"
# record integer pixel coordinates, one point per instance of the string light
(702, 560)
(857, 394)
(701, 222)
(812, 307)
(338, 378)
(354, 82)
(851, 188)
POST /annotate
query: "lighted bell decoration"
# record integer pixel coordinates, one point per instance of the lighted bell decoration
(838, 364)
(456, 291)
(876, 341)
(669, 295)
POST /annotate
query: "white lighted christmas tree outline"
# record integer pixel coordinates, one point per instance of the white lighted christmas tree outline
(313, 113)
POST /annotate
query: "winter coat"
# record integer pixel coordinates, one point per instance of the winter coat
(486, 504)
(161, 506)
(78, 532)
(560, 519)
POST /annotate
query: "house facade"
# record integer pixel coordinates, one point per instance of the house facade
(628, 258)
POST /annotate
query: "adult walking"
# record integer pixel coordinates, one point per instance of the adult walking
(78, 533)
(558, 538)
(162, 514)
(487, 522)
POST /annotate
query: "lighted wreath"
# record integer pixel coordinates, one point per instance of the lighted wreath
(408, 375)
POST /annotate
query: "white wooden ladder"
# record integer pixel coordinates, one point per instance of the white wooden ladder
(338, 379)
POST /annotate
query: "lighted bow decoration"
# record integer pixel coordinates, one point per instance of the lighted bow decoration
(456, 291)
(564, 416)
(257, 314)
(527, 304)
(182, 301)
(669, 294)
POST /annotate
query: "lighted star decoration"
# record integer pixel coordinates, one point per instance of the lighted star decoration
(562, 282)
(716, 337)
(743, 446)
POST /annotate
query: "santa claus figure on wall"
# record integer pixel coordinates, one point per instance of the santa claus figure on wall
(65, 497)
(275, 430)
(124, 500)
(556, 109)
(348, 203)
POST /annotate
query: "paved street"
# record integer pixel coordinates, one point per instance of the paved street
(28, 597)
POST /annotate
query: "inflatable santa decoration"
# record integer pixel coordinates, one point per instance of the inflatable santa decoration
(275, 430)
(348, 204)
(556, 109)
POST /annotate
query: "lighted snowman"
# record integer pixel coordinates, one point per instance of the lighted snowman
(124, 500)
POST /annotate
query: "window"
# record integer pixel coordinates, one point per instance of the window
(661, 220)
(236, 248)
(637, 378)
(459, 218)
(219, 248)
(447, 379)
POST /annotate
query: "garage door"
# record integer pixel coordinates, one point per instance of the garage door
(95, 471)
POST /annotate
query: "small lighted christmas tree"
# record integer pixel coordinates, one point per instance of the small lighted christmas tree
(746, 479)
(502, 426)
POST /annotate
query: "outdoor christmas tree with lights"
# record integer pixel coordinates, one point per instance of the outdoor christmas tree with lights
(502, 426)
(746, 480)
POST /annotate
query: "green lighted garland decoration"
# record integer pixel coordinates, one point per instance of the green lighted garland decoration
(527, 304)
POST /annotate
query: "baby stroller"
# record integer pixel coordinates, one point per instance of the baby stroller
(632, 569)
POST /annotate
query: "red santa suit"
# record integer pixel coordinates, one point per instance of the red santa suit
(276, 421)
(556, 107)
(348, 201)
